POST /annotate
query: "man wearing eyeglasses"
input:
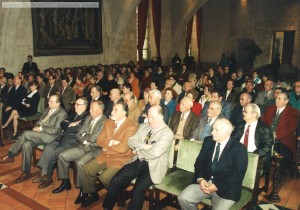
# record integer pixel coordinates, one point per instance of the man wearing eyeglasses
(150, 145)
(70, 127)
(85, 151)
(115, 154)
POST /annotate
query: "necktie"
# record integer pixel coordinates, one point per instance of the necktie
(91, 126)
(116, 128)
(208, 121)
(48, 95)
(246, 137)
(266, 98)
(148, 137)
(182, 117)
(75, 117)
(47, 116)
(277, 112)
(216, 158)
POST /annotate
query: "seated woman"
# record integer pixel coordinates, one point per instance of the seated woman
(169, 100)
(207, 94)
(28, 107)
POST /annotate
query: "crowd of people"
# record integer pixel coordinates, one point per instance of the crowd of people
(120, 120)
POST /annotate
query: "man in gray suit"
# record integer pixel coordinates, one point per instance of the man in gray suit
(67, 95)
(70, 127)
(46, 130)
(205, 123)
(151, 145)
(86, 151)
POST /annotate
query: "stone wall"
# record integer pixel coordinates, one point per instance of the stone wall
(225, 21)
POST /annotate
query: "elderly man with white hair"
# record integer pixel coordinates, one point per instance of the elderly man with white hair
(154, 99)
(221, 182)
(256, 135)
(204, 126)
(184, 121)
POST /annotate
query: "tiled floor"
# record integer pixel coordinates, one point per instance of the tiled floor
(26, 195)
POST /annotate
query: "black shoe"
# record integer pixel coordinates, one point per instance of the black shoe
(15, 137)
(88, 200)
(80, 198)
(65, 185)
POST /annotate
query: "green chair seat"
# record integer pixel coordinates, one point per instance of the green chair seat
(171, 183)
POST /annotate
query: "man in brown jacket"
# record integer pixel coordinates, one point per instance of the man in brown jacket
(115, 153)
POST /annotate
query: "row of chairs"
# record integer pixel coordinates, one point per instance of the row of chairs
(181, 176)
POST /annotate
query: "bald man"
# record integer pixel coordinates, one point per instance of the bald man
(221, 182)
(184, 121)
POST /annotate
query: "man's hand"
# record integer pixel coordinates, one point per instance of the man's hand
(114, 142)
(73, 124)
(8, 108)
(27, 105)
(85, 142)
(36, 129)
(207, 187)
(147, 146)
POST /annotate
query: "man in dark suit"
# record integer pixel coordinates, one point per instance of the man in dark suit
(184, 122)
(70, 126)
(283, 120)
(15, 99)
(115, 96)
(219, 170)
(46, 130)
(114, 142)
(67, 95)
(51, 88)
(205, 123)
(85, 151)
(255, 134)
(154, 99)
(231, 93)
(237, 112)
(96, 96)
(186, 87)
(216, 95)
(3, 88)
(30, 67)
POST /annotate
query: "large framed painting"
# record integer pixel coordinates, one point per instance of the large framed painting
(69, 30)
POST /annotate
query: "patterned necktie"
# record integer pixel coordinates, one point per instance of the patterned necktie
(148, 136)
(246, 137)
(116, 128)
(182, 117)
(216, 158)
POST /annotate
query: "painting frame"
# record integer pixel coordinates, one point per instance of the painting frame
(67, 31)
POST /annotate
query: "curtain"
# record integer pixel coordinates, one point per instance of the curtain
(142, 23)
(199, 33)
(156, 14)
(189, 29)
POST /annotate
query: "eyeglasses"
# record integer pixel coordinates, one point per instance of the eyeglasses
(77, 104)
